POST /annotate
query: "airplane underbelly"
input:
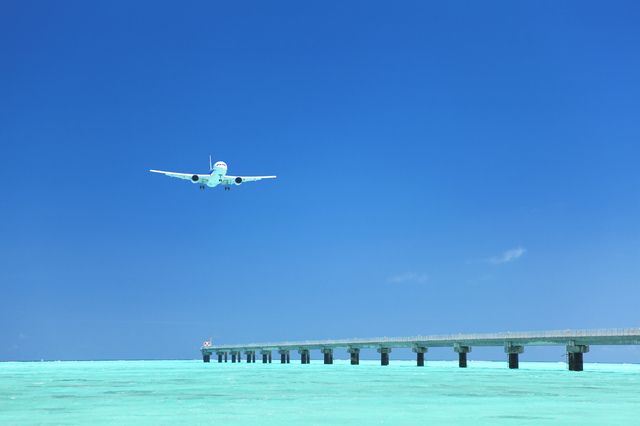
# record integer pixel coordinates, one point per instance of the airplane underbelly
(215, 179)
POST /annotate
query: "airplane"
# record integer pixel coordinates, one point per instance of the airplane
(217, 176)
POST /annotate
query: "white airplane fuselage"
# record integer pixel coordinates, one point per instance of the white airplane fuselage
(218, 171)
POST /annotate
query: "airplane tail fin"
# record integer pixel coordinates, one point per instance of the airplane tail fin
(210, 165)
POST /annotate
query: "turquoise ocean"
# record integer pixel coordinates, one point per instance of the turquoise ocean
(192, 392)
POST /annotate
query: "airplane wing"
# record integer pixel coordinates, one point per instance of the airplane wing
(237, 180)
(202, 179)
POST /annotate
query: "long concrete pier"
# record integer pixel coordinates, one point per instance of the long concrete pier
(577, 343)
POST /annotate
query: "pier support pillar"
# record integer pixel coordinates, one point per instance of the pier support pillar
(269, 355)
(355, 355)
(575, 356)
(384, 355)
(284, 356)
(420, 351)
(514, 351)
(219, 357)
(225, 357)
(266, 356)
(206, 357)
(462, 359)
(233, 357)
(462, 354)
(514, 362)
(305, 357)
(328, 355)
(575, 361)
(288, 357)
(253, 357)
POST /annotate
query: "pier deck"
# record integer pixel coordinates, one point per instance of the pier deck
(576, 341)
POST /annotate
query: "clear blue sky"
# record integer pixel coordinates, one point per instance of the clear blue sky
(443, 167)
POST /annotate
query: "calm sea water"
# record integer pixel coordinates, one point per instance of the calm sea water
(191, 392)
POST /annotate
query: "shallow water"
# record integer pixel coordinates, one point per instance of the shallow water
(191, 392)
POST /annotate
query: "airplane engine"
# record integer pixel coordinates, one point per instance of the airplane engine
(238, 180)
(195, 178)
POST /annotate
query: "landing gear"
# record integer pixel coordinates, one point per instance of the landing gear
(202, 186)
(226, 188)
